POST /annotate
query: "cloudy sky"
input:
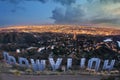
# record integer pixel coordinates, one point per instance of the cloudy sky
(35, 12)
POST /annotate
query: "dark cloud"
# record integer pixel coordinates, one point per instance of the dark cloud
(105, 20)
(115, 1)
(43, 1)
(18, 1)
(58, 15)
(72, 14)
(104, 1)
(86, 14)
(65, 2)
(12, 1)
(90, 1)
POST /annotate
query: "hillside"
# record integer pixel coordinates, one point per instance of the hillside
(82, 38)
(41, 42)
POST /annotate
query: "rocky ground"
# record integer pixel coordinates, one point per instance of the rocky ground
(56, 77)
(49, 77)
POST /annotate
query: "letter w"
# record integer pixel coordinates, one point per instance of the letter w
(38, 64)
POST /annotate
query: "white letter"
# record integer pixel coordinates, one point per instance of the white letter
(109, 67)
(5, 55)
(82, 63)
(11, 60)
(38, 65)
(21, 60)
(55, 65)
(69, 63)
(90, 63)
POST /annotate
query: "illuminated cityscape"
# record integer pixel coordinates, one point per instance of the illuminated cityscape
(68, 29)
(59, 39)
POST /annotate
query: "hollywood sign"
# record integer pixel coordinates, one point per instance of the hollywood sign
(40, 65)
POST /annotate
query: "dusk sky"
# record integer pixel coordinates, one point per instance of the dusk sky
(36, 12)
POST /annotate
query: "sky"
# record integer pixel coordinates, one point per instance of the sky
(37, 12)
